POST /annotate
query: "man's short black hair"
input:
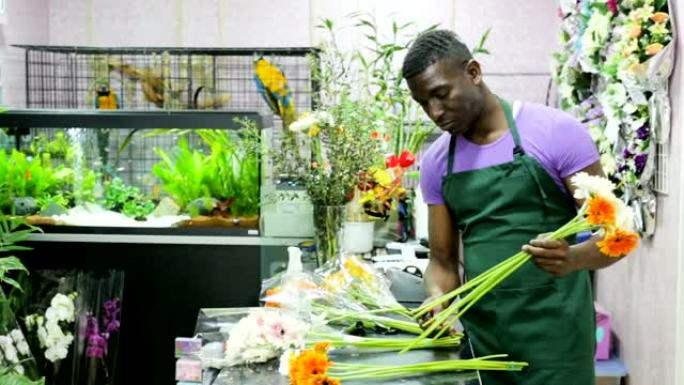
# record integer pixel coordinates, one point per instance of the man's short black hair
(432, 46)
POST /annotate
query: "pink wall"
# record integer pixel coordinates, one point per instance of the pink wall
(27, 23)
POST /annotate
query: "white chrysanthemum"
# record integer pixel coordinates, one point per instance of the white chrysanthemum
(587, 185)
(19, 369)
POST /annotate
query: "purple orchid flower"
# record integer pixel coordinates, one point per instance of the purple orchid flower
(640, 162)
(643, 132)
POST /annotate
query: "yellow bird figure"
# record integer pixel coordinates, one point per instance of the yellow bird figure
(272, 86)
(106, 99)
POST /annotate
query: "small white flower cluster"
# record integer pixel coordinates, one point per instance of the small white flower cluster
(263, 335)
(13, 348)
(307, 120)
(50, 334)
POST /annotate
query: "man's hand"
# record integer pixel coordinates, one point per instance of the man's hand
(455, 329)
(555, 257)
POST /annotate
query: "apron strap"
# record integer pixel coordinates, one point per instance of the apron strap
(452, 153)
(517, 150)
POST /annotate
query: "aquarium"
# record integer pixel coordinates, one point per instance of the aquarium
(133, 169)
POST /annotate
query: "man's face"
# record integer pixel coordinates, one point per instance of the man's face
(449, 93)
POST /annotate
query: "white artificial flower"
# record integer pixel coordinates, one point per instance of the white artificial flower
(642, 14)
(303, 123)
(56, 353)
(325, 118)
(30, 321)
(42, 336)
(10, 352)
(624, 216)
(659, 29)
(19, 369)
(615, 95)
(17, 335)
(587, 185)
(63, 307)
(23, 348)
(609, 164)
(51, 314)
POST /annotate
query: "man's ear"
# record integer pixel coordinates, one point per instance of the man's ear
(473, 71)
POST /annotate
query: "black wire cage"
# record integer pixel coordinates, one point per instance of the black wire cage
(161, 78)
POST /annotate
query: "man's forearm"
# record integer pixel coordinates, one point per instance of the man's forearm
(440, 278)
(589, 257)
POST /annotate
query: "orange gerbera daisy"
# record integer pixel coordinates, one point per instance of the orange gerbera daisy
(601, 211)
(618, 243)
(309, 364)
(323, 380)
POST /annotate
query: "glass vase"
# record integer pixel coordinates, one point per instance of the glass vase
(327, 232)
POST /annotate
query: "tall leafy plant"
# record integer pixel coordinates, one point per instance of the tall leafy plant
(183, 174)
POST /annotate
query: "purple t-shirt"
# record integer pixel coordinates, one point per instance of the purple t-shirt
(560, 143)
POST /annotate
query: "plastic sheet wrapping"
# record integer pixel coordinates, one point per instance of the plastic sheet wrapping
(14, 351)
(349, 283)
(97, 325)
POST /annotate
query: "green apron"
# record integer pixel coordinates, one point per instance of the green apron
(532, 316)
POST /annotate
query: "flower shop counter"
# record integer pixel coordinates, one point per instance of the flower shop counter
(167, 279)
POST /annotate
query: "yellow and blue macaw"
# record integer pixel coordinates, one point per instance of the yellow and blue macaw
(106, 99)
(272, 86)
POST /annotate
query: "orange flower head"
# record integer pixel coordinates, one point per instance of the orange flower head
(601, 211)
(375, 135)
(653, 49)
(323, 380)
(659, 17)
(307, 366)
(618, 243)
(635, 31)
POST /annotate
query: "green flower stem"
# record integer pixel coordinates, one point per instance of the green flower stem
(352, 316)
(400, 311)
(354, 371)
(341, 341)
